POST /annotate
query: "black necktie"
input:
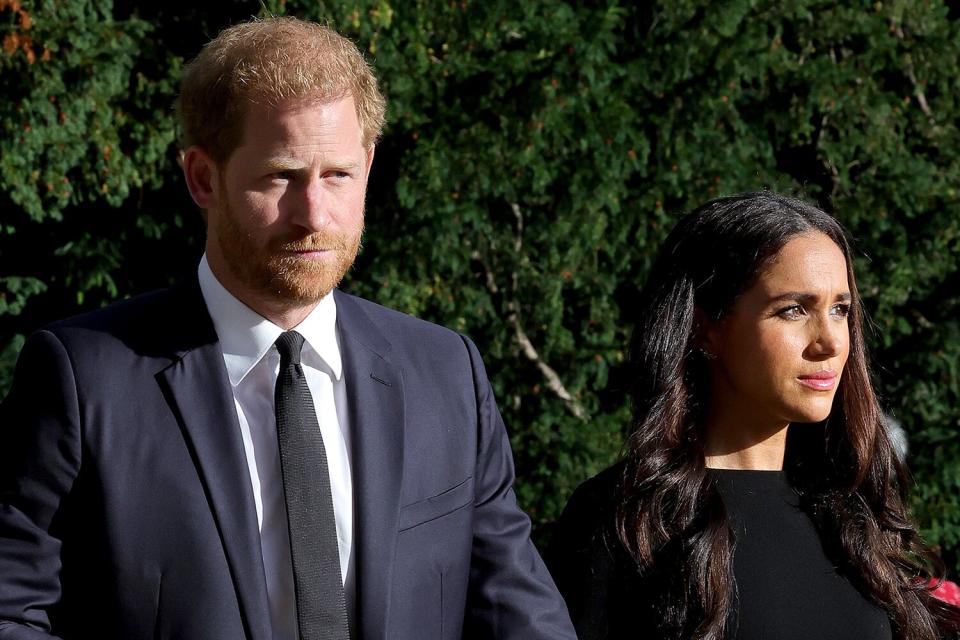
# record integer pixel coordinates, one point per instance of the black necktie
(321, 605)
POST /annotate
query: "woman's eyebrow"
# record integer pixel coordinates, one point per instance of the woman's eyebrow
(806, 297)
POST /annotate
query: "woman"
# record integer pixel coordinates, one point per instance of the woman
(759, 496)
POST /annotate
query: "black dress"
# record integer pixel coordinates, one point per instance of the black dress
(786, 587)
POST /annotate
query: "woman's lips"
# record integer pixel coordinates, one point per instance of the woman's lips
(820, 381)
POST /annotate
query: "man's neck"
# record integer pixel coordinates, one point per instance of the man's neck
(285, 318)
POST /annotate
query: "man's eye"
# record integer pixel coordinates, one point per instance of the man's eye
(793, 312)
(339, 175)
(281, 175)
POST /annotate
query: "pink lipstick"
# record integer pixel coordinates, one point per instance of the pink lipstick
(819, 381)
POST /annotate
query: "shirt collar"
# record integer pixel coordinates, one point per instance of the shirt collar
(246, 336)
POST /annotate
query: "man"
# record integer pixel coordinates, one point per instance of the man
(256, 454)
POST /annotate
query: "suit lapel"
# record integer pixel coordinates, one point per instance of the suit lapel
(375, 401)
(199, 392)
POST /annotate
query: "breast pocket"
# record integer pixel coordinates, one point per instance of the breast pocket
(444, 503)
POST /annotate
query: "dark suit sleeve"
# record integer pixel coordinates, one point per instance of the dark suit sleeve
(39, 462)
(511, 594)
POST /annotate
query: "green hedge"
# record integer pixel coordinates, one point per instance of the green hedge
(536, 155)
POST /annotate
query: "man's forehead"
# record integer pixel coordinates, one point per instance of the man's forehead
(279, 126)
(273, 109)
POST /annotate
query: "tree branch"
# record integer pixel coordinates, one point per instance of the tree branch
(917, 87)
(553, 380)
(554, 383)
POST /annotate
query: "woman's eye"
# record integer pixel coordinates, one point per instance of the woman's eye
(793, 312)
(841, 310)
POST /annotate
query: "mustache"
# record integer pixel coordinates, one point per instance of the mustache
(313, 242)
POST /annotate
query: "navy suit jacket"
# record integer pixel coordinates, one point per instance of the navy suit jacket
(126, 509)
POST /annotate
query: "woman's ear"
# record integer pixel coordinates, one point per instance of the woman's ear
(706, 333)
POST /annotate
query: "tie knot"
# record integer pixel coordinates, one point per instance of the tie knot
(289, 345)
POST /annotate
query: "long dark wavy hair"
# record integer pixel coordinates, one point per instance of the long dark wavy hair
(670, 517)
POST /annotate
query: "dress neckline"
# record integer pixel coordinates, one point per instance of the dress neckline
(737, 485)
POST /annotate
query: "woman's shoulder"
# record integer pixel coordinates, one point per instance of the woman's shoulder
(602, 486)
(591, 510)
(595, 574)
(585, 549)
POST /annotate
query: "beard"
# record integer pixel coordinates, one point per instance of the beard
(273, 272)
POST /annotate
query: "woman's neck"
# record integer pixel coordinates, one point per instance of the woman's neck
(737, 440)
(763, 456)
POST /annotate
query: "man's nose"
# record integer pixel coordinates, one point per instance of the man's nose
(312, 209)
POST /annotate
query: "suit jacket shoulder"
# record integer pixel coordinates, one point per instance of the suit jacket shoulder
(410, 337)
(160, 323)
(462, 542)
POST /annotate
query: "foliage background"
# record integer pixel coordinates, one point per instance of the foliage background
(536, 155)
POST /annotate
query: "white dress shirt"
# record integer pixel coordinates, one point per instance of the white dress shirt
(247, 340)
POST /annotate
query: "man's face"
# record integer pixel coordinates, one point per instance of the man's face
(289, 207)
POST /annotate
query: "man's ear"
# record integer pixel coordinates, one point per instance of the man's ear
(202, 176)
(370, 151)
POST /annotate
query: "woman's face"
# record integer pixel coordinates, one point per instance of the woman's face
(780, 352)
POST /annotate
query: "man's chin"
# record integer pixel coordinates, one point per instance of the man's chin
(300, 292)
(291, 283)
